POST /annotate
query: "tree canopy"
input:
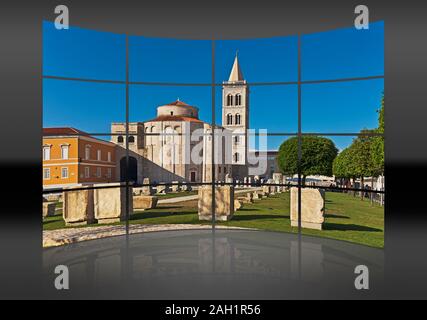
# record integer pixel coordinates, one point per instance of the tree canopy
(317, 155)
(342, 166)
(378, 142)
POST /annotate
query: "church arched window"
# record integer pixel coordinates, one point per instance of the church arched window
(120, 139)
(237, 119)
(229, 118)
(131, 139)
(153, 138)
(238, 99)
(168, 134)
(229, 100)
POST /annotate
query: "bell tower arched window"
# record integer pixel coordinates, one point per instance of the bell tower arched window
(229, 118)
(238, 99)
(229, 100)
(237, 119)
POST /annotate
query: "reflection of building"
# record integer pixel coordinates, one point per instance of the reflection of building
(71, 157)
(163, 154)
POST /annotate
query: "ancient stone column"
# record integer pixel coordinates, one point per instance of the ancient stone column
(224, 203)
(78, 206)
(312, 208)
(110, 203)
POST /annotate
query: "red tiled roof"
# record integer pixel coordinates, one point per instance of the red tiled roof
(178, 103)
(62, 131)
(68, 131)
(175, 118)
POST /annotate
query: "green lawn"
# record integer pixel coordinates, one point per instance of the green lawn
(176, 194)
(346, 218)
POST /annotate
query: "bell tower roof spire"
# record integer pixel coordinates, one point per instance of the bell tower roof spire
(236, 73)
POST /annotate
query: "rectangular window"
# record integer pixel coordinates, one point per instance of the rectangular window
(46, 173)
(98, 155)
(109, 173)
(98, 172)
(46, 153)
(109, 156)
(87, 152)
(87, 172)
(64, 152)
(64, 173)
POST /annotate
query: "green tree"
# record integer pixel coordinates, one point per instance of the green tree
(317, 156)
(342, 165)
(362, 159)
(378, 143)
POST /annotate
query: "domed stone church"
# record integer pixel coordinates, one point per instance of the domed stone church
(177, 145)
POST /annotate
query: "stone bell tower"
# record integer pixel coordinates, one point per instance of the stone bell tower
(235, 117)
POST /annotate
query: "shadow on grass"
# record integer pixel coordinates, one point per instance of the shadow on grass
(248, 217)
(348, 227)
(249, 209)
(332, 215)
(153, 214)
(50, 221)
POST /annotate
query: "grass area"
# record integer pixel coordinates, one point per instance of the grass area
(346, 218)
(176, 194)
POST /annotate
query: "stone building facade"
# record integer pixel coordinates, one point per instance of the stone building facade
(161, 148)
(235, 117)
(174, 146)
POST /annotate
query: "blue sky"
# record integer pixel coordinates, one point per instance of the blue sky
(326, 107)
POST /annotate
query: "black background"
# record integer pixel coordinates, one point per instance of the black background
(405, 114)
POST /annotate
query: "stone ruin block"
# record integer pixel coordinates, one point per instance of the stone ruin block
(176, 187)
(238, 204)
(185, 187)
(53, 197)
(144, 202)
(277, 177)
(312, 208)
(266, 190)
(48, 209)
(110, 203)
(78, 206)
(162, 189)
(224, 203)
(147, 190)
(137, 191)
(250, 197)
(256, 195)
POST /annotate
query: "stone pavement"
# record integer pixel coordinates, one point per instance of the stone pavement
(53, 238)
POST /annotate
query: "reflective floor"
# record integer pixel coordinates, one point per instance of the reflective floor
(220, 264)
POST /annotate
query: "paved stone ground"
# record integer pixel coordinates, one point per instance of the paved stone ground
(53, 238)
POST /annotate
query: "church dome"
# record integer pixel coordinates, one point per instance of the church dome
(178, 109)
